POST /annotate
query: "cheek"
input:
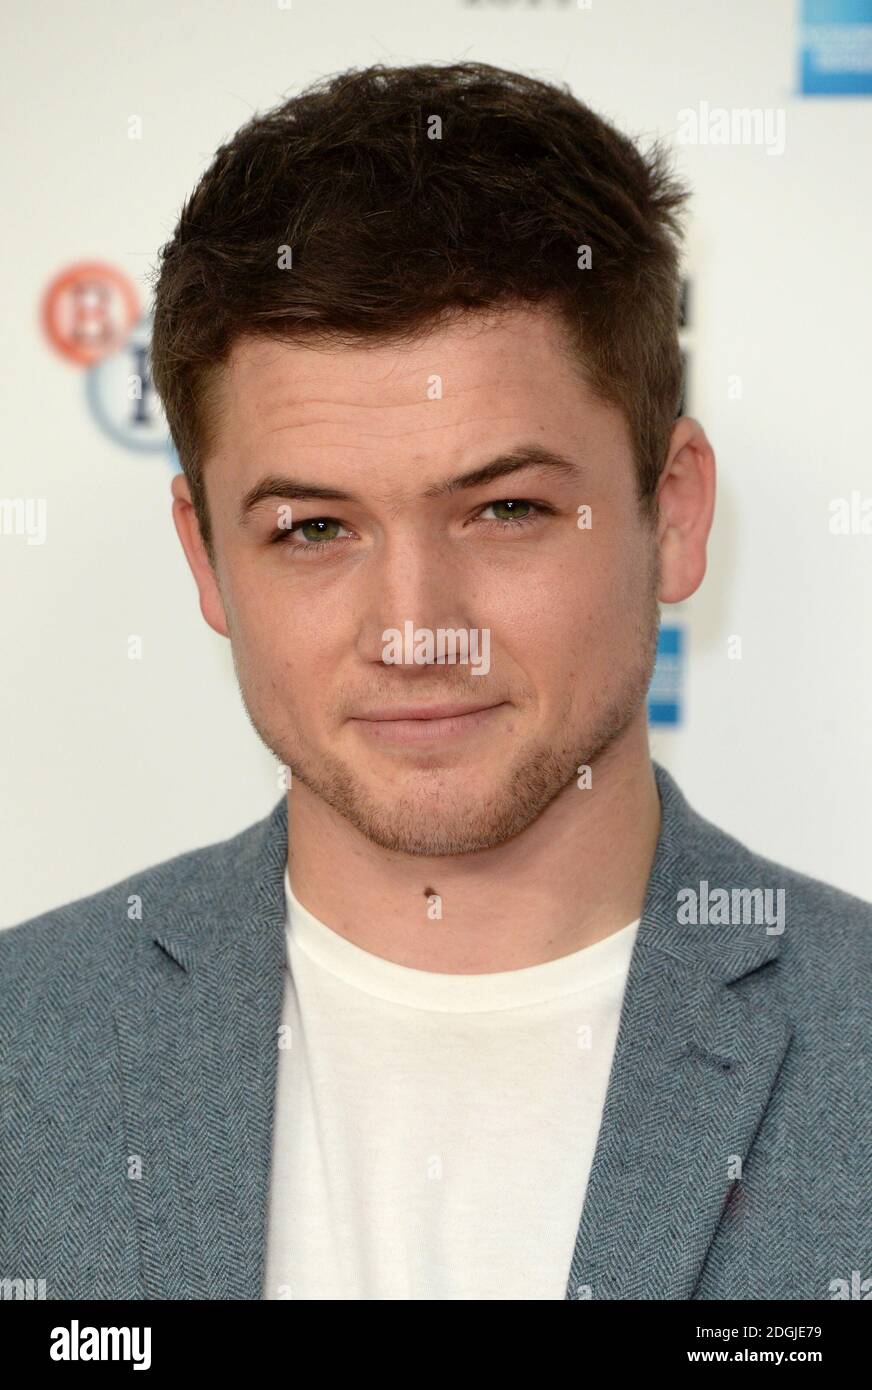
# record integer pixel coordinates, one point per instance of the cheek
(287, 645)
(540, 626)
(581, 615)
(556, 603)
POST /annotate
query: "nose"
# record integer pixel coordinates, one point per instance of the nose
(414, 583)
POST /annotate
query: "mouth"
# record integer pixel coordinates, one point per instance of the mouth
(423, 723)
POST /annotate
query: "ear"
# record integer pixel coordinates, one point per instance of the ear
(188, 529)
(686, 501)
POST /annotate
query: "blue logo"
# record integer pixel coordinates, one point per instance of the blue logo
(665, 694)
(123, 401)
(835, 48)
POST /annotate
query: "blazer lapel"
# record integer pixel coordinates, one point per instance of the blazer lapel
(198, 1048)
(694, 1067)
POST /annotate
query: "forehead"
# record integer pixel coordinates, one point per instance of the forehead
(495, 352)
(362, 412)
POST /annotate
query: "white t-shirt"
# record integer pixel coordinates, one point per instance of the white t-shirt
(434, 1133)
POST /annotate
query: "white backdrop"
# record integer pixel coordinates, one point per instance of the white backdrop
(111, 764)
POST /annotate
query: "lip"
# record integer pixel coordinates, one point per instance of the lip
(421, 723)
(402, 712)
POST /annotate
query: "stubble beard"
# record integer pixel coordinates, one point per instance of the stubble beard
(434, 819)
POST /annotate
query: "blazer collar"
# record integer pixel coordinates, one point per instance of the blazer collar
(247, 887)
(244, 890)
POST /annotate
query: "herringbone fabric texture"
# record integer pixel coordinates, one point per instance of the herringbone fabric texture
(138, 1048)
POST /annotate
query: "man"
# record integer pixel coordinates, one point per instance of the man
(482, 1009)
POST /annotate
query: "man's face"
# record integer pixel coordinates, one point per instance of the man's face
(560, 617)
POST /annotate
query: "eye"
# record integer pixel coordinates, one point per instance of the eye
(312, 534)
(322, 533)
(516, 511)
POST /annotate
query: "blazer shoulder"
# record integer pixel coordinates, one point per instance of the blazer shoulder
(827, 936)
(816, 907)
(104, 933)
(702, 844)
(825, 933)
(826, 949)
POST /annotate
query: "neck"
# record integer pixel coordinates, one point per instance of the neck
(576, 875)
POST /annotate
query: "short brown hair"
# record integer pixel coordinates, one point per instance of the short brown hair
(395, 220)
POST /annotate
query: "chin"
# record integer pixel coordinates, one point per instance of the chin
(438, 838)
(443, 818)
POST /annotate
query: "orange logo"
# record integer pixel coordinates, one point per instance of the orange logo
(88, 311)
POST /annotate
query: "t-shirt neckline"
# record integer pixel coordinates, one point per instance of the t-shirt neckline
(425, 989)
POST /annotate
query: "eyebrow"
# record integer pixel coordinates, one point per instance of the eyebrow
(524, 456)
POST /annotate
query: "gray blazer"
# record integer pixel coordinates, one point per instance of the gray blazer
(138, 1067)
